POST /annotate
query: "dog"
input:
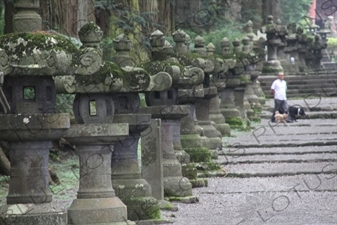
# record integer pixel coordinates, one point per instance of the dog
(280, 118)
(295, 112)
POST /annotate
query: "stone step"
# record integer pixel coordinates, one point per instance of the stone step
(322, 89)
(319, 83)
(318, 76)
(308, 108)
(280, 169)
(304, 132)
(286, 142)
(324, 82)
(309, 83)
(300, 183)
(238, 151)
(309, 115)
(303, 93)
(275, 158)
(329, 65)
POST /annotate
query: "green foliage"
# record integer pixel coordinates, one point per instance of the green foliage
(199, 154)
(293, 11)
(64, 103)
(332, 42)
(2, 18)
(130, 21)
(250, 11)
(229, 30)
(4, 179)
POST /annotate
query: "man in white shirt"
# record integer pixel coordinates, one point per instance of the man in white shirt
(278, 88)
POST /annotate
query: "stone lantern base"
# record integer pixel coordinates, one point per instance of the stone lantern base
(271, 67)
(92, 211)
(32, 214)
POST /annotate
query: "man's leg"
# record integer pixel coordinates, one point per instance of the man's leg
(285, 106)
(285, 109)
(277, 106)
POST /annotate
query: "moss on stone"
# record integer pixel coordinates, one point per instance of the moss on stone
(190, 140)
(108, 69)
(189, 170)
(207, 166)
(257, 110)
(142, 100)
(167, 206)
(132, 80)
(114, 72)
(187, 199)
(87, 28)
(244, 80)
(270, 28)
(142, 208)
(199, 182)
(24, 44)
(199, 154)
(238, 121)
(255, 119)
(270, 69)
(186, 59)
(155, 67)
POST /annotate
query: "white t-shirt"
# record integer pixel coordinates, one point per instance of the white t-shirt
(280, 87)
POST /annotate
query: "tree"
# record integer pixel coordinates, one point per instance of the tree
(65, 17)
(293, 11)
(271, 8)
(2, 21)
(252, 10)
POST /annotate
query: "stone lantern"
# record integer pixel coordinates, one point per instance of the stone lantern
(107, 133)
(213, 66)
(28, 97)
(131, 187)
(240, 70)
(163, 105)
(193, 139)
(249, 32)
(302, 51)
(315, 51)
(282, 33)
(325, 32)
(181, 38)
(273, 65)
(290, 51)
(257, 56)
(227, 105)
(246, 48)
(199, 46)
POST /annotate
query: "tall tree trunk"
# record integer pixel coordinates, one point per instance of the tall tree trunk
(9, 12)
(166, 10)
(186, 13)
(271, 7)
(151, 6)
(109, 19)
(252, 10)
(66, 17)
(4, 163)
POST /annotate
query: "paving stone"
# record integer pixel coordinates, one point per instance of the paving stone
(278, 150)
(287, 177)
(273, 158)
(279, 169)
(276, 208)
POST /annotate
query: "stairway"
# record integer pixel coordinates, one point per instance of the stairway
(277, 175)
(303, 85)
